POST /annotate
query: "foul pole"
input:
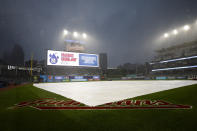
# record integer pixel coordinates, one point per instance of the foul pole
(31, 63)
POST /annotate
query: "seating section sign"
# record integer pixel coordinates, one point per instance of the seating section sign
(60, 58)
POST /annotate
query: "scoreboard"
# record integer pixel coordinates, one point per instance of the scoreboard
(61, 58)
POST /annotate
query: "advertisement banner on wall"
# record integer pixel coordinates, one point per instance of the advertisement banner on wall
(43, 78)
(60, 58)
(161, 78)
(50, 78)
(96, 77)
(59, 77)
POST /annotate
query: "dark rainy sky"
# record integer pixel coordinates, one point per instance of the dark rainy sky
(124, 29)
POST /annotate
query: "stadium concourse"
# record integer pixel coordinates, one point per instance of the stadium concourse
(101, 92)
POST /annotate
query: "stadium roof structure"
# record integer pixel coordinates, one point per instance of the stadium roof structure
(172, 60)
(186, 44)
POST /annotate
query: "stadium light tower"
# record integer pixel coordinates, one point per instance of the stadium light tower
(186, 27)
(84, 35)
(75, 34)
(175, 32)
(65, 32)
(166, 35)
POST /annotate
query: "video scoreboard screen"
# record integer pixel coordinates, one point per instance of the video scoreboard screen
(60, 58)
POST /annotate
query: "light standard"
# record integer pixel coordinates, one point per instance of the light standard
(166, 35)
(75, 34)
(84, 35)
(74, 41)
(175, 32)
(65, 32)
(186, 28)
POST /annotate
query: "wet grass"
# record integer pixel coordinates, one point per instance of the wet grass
(28, 118)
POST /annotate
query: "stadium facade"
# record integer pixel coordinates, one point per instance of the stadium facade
(179, 61)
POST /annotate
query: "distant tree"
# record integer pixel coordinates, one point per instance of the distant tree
(17, 55)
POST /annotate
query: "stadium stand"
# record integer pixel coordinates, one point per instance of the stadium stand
(178, 61)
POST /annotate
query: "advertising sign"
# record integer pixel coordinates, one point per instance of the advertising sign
(88, 60)
(78, 77)
(59, 77)
(50, 78)
(75, 47)
(161, 78)
(43, 78)
(60, 58)
(96, 77)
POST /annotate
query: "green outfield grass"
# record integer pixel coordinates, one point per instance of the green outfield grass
(28, 118)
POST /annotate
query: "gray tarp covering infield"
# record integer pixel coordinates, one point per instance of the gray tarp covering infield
(101, 92)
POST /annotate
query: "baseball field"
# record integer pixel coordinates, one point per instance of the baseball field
(25, 108)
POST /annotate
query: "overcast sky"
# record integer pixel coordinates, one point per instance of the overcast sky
(124, 29)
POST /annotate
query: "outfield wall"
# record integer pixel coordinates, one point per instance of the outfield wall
(52, 78)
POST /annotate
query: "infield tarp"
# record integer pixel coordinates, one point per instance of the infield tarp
(101, 92)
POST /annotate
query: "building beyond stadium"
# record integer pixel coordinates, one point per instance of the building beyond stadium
(176, 61)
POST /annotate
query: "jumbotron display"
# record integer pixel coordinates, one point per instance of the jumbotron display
(60, 58)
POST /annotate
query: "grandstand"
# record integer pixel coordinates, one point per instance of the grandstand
(179, 61)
